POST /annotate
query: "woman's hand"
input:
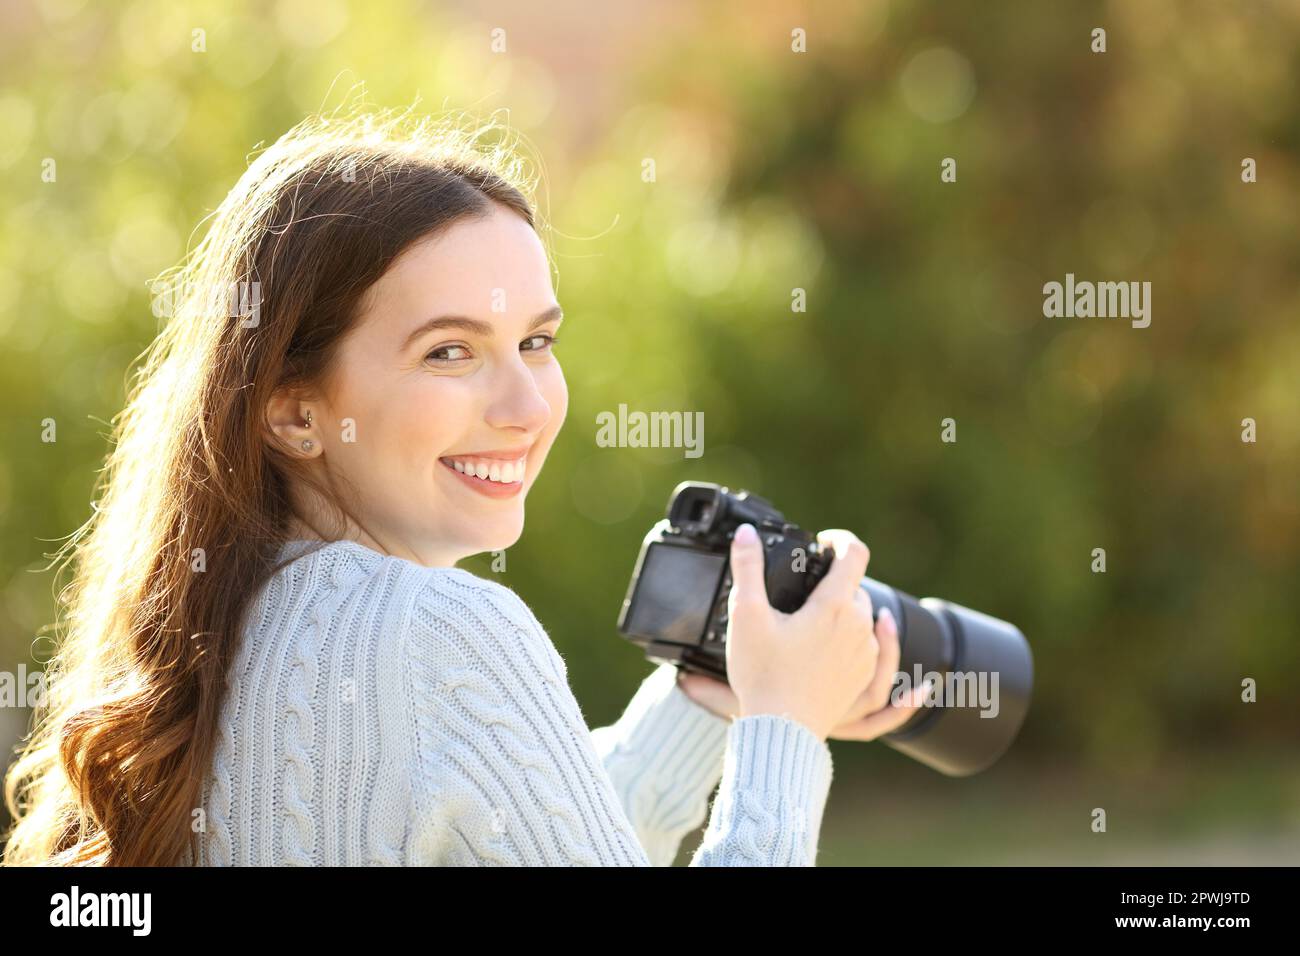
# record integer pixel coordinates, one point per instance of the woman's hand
(872, 715)
(819, 665)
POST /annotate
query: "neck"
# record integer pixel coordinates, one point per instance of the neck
(301, 530)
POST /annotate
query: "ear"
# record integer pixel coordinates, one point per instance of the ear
(295, 422)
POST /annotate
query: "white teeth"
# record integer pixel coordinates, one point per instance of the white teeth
(503, 472)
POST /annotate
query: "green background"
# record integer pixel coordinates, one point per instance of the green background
(777, 170)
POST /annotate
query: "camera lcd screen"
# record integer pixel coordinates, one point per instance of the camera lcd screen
(674, 594)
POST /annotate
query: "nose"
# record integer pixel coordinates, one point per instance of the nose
(517, 403)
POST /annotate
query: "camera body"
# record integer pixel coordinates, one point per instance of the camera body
(676, 610)
(676, 605)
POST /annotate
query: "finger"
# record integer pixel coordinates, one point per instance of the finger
(847, 569)
(880, 686)
(886, 662)
(862, 598)
(865, 612)
(896, 694)
(884, 721)
(748, 583)
(875, 725)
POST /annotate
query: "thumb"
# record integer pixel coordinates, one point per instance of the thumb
(748, 583)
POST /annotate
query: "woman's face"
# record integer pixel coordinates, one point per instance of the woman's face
(446, 396)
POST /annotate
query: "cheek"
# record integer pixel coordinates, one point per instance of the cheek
(427, 417)
(401, 426)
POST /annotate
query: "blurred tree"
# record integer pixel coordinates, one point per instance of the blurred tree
(781, 177)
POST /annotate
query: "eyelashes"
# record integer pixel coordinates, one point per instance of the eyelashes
(434, 356)
(550, 340)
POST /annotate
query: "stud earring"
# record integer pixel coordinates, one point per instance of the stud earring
(309, 419)
(308, 444)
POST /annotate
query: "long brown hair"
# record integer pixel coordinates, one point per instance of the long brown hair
(195, 496)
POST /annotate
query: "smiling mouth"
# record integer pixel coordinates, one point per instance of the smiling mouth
(491, 471)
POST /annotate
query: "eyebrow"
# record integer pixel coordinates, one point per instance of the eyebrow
(476, 326)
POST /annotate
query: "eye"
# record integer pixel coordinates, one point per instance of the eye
(546, 342)
(440, 354)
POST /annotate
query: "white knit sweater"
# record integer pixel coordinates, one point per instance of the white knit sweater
(381, 712)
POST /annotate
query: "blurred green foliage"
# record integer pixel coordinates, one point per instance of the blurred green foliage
(776, 171)
(925, 301)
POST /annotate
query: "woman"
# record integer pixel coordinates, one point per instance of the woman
(269, 656)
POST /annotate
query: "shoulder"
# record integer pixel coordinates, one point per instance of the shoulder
(477, 623)
(457, 594)
(437, 596)
(500, 744)
(446, 616)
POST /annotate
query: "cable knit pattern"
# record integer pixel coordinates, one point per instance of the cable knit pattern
(384, 713)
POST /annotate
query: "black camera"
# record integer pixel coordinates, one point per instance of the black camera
(676, 608)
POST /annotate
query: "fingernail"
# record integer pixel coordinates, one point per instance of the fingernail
(746, 534)
(887, 614)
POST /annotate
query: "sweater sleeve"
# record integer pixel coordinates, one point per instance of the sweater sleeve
(664, 756)
(506, 771)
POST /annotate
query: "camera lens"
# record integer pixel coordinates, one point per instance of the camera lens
(986, 675)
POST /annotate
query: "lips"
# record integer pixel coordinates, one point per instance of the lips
(498, 474)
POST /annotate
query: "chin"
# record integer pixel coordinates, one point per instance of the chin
(503, 535)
